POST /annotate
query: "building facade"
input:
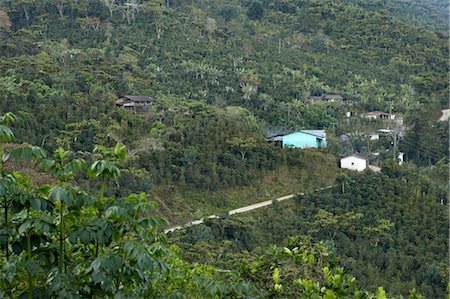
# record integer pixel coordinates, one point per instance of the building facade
(301, 139)
(354, 162)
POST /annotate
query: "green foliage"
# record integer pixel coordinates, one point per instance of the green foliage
(6, 135)
(245, 66)
(221, 73)
(305, 270)
(103, 247)
(70, 60)
(255, 10)
(386, 231)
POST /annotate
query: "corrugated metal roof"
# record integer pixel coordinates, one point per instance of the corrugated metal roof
(276, 138)
(138, 98)
(277, 131)
(377, 113)
(318, 133)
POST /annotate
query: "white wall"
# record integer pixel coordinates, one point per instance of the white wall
(374, 136)
(354, 163)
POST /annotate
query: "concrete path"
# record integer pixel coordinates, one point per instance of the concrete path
(260, 204)
(241, 210)
(445, 115)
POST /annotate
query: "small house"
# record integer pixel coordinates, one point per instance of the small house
(378, 115)
(135, 103)
(385, 131)
(355, 162)
(374, 136)
(333, 98)
(301, 139)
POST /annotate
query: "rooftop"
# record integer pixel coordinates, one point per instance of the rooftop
(358, 156)
(138, 98)
(318, 133)
(377, 113)
(277, 134)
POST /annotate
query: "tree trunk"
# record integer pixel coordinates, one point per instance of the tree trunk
(60, 9)
(61, 238)
(6, 226)
(30, 278)
(242, 155)
(27, 14)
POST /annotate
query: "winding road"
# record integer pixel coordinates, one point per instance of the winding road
(242, 210)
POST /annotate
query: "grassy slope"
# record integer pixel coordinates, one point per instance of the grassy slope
(400, 252)
(180, 205)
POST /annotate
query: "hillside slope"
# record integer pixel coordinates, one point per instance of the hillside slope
(388, 231)
(262, 55)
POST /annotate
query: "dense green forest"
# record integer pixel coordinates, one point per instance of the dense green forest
(65, 62)
(386, 228)
(223, 74)
(59, 241)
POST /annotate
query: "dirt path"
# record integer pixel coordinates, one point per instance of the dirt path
(241, 210)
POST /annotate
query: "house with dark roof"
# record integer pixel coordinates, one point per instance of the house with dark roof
(301, 139)
(378, 115)
(140, 104)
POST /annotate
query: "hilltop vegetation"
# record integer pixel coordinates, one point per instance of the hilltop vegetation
(430, 14)
(65, 62)
(222, 73)
(57, 240)
(387, 230)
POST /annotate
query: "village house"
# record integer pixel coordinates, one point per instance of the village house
(378, 115)
(374, 136)
(139, 104)
(301, 139)
(355, 162)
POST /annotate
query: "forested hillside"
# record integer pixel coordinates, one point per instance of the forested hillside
(387, 230)
(217, 52)
(221, 76)
(431, 14)
(58, 240)
(65, 62)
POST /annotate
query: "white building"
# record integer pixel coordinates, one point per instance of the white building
(379, 115)
(374, 136)
(354, 162)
